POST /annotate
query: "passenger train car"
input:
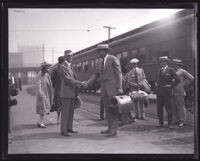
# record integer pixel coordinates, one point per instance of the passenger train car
(173, 36)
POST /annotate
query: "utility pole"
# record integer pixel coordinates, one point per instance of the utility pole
(109, 28)
(52, 55)
(43, 52)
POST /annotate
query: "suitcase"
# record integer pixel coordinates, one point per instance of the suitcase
(138, 95)
(122, 104)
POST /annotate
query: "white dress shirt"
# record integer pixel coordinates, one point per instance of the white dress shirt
(69, 64)
(105, 58)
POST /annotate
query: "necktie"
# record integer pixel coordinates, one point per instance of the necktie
(136, 76)
(162, 70)
(102, 66)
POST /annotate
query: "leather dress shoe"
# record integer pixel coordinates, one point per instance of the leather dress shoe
(72, 131)
(105, 132)
(65, 134)
(41, 125)
(113, 133)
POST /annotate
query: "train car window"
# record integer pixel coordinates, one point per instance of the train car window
(162, 53)
(141, 59)
(154, 58)
(86, 66)
(96, 61)
(142, 51)
(133, 54)
(83, 66)
(119, 56)
(79, 67)
(125, 54)
(141, 55)
(92, 63)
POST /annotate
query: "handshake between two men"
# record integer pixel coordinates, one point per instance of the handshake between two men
(84, 84)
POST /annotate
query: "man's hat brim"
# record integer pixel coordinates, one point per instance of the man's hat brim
(164, 60)
(177, 63)
(103, 47)
(134, 60)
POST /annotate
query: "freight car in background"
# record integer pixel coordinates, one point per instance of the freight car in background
(172, 37)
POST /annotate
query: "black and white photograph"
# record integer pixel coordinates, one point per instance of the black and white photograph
(102, 80)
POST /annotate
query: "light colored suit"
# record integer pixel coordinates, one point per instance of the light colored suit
(179, 111)
(134, 77)
(110, 80)
(68, 92)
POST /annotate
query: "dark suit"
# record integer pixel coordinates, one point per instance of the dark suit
(56, 82)
(111, 79)
(164, 94)
(68, 93)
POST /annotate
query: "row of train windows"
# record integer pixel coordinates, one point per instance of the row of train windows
(84, 66)
(140, 54)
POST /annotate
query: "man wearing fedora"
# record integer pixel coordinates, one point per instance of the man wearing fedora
(166, 80)
(179, 111)
(109, 72)
(134, 76)
(68, 94)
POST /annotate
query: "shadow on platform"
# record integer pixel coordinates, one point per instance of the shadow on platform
(28, 126)
(57, 135)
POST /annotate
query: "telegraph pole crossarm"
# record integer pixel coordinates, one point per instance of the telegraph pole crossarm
(109, 28)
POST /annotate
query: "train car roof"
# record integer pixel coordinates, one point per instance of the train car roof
(178, 15)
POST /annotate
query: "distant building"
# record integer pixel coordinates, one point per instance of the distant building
(32, 55)
(15, 59)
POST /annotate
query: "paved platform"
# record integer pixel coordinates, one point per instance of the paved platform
(141, 137)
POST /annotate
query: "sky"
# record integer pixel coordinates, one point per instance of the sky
(75, 29)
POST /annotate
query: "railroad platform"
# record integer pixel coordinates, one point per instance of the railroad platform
(141, 137)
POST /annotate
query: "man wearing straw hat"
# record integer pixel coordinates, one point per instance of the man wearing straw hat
(179, 111)
(109, 72)
(134, 76)
(166, 80)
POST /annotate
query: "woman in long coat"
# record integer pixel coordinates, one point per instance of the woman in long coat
(44, 93)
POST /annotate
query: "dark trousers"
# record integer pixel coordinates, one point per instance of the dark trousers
(102, 109)
(164, 100)
(112, 116)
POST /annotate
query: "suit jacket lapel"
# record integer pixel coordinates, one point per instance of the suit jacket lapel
(106, 63)
(70, 70)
